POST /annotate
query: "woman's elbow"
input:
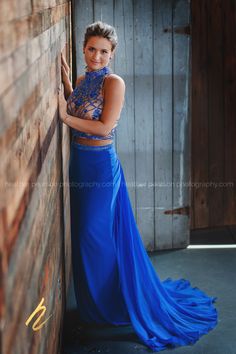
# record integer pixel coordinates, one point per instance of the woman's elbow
(106, 129)
(109, 129)
(105, 132)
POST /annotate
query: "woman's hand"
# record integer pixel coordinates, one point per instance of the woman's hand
(65, 71)
(62, 105)
(65, 77)
(64, 63)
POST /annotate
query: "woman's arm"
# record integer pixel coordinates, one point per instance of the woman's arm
(114, 93)
(65, 77)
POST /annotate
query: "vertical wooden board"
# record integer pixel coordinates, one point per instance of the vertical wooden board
(65, 190)
(103, 11)
(56, 305)
(163, 122)
(143, 86)
(83, 16)
(124, 137)
(215, 112)
(180, 124)
(229, 50)
(213, 152)
(199, 127)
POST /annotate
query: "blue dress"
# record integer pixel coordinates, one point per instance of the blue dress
(114, 279)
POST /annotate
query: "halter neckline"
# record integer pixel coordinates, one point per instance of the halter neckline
(97, 73)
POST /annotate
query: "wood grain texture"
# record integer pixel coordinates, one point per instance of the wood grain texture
(181, 119)
(229, 110)
(124, 65)
(34, 144)
(213, 114)
(199, 166)
(163, 124)
(143, 110)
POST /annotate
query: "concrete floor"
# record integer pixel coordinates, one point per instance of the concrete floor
(212, 270)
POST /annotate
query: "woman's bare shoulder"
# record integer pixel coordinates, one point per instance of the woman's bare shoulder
(114, 79)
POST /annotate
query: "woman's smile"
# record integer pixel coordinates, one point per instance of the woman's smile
(97, 52)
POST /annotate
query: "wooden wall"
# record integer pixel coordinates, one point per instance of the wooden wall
(152, 138)
(34, 145)
(213, 113)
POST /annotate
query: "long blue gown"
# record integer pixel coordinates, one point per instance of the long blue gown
(114, 279)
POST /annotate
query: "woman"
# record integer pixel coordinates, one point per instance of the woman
(114, 279)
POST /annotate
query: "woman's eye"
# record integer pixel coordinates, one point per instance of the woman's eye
(91, 49)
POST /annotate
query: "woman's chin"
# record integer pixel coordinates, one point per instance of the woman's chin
(95, 66)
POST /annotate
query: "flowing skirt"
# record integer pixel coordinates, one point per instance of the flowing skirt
(114, 279)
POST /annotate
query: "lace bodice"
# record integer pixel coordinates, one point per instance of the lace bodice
(86, 101)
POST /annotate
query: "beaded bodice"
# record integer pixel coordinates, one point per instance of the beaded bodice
(86, 101)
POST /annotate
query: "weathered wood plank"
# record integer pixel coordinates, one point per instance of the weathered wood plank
(215, 113)
(163, 122)
(26, 152)
(143, 86)
(123, 66)
(103, 11)
(38, 245)
(199, 124)
(229, 107)
(83, 16)
(26, 84)
(30, 108)
(18, 32)
(181, 133)
(13, 9)
(213, 117)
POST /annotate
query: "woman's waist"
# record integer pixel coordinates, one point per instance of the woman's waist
(91, 142)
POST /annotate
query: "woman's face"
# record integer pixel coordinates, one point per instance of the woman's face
(97, 53)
